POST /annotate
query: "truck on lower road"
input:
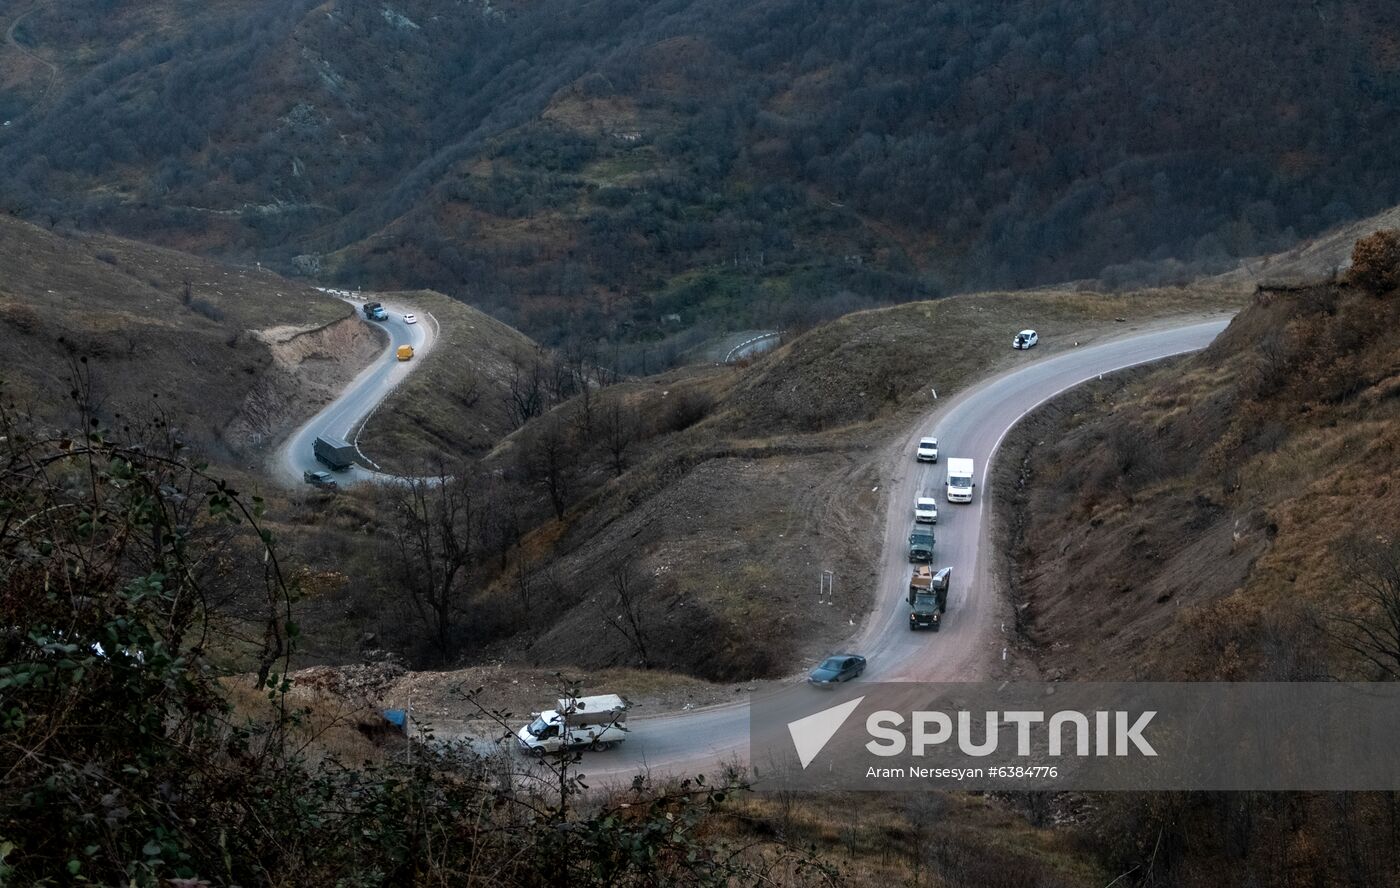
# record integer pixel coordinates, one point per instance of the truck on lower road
(575, 722)
(960, 484)
(920, 542)
(928, 597)
(334, 453)
(374, 312)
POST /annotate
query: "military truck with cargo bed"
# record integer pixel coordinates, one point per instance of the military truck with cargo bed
(920, 542)
(375, 312)
(334, 453)
(928, 597)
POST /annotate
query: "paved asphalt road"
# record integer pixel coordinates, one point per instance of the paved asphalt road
(969, 646)
(343, 417)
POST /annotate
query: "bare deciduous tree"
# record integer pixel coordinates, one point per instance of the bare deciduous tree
(433, 533)
(550, 457)
(620, 427)
(525, 399)
(625, 609)
(1372, 568)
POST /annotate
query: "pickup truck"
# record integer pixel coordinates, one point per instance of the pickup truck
(594, 722)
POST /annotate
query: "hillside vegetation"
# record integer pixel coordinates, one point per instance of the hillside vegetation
(589, 169)
(1209, 520)
(704, 502)
(1229, 517)
(231, 355)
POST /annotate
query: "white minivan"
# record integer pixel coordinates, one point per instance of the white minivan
(960, 480)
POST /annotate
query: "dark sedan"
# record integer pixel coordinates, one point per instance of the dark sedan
(837, 668)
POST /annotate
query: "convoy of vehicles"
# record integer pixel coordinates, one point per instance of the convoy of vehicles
(927, 450)
(928, 597)
(595, 722)
(334, 453)
(959, 480)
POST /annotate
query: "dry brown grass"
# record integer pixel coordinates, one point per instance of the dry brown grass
(454, 404)
(1218, 555)
(152, 342)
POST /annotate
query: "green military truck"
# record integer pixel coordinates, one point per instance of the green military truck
(334, 453)
(921, 543)
(928, 597)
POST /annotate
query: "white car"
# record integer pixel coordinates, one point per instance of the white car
(410, 319)
(1025, 339)
(926, 510)
(927, 450)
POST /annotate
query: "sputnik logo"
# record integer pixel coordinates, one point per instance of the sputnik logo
(811, 734)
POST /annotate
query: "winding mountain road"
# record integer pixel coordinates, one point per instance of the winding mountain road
(343, 417)
(969, 647)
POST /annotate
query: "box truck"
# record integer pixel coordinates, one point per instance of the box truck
(960, 482)
(334, 453)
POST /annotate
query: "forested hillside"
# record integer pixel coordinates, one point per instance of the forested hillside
(632, 170)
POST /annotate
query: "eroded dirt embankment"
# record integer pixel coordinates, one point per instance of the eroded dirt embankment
(305, 369)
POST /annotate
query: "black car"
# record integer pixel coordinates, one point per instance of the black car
(836, 668)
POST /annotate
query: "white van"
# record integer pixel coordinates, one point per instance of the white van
(596, 722)
(960, 482)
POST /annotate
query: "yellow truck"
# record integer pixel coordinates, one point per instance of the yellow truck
(405, 352)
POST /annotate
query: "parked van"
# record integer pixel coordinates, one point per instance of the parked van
(405, 352)
(960, 480)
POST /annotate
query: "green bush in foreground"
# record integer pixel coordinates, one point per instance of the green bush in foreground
(124, 763)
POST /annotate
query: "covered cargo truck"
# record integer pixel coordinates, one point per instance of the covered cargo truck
(928, 597)
(334, 453)
(960, 483)
(920, 542)
(375, 312)
(596, 722)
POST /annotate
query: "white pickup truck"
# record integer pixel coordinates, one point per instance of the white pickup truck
(576, 722)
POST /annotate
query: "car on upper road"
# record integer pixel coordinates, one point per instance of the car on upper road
(837, 668)
(1025, 339)
(319, 478)
(410, 319)
(927, 450)
(926, 510)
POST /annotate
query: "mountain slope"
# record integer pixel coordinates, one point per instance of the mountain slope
(592, 168)
(232, 355)
(1214, 520)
